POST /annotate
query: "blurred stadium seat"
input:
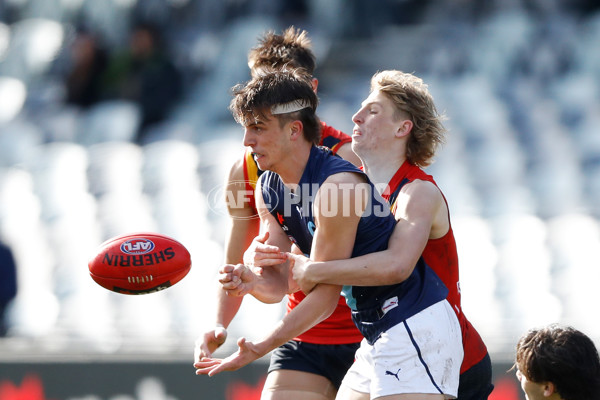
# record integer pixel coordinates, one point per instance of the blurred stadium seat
(34, 43)
(19, 143)
(12, 98)
(110, 120)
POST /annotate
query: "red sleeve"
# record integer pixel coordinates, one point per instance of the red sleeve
(332, 138)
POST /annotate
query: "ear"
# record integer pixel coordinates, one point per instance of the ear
(296, 130)
(314, 84)
(405, 127)
(549, 389)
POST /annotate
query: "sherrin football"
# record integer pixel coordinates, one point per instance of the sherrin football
(140, 263)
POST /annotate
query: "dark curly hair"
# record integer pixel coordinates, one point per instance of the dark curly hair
(561, 355)
(254, 100)
(292, 48)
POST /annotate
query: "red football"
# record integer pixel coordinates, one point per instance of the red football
(140, 263)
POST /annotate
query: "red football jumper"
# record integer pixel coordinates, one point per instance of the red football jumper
(441, 256)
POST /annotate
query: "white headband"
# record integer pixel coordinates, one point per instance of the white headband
(290, 107)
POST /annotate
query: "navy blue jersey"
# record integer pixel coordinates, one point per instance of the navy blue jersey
(374, 308)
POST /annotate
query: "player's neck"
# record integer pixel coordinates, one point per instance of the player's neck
(380, 170)
(291, 171)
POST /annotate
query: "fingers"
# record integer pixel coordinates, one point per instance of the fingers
(236, 281)
(230, 276)
(300, 258)
(236, 289)
(227, 268)
(291, 257)
(199, 352)
(266, 248)
(212, 366)
(297, 267)
(262, 238)
(209, 342)
(206, 365)
(206, 362)
(261, 254)
(217, 369)
(214, 340)
(202, 352)
(296, 262)
(268, 258)
(230, 282)
(246, 353)
(220, 335)
(226, 273)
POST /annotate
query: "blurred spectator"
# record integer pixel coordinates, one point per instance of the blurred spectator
(144, 74)
(89, 60)
(8, 283)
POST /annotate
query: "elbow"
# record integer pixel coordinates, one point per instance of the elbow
(271, 298)
(274, 300)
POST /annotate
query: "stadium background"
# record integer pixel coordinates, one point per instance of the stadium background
(519, 81)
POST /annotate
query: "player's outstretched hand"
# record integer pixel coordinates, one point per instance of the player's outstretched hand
(247, 352)
(236, 280)
(298, 266)
(260, 254)
(209, 342)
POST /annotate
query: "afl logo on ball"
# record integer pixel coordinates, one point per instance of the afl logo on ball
(137, 246)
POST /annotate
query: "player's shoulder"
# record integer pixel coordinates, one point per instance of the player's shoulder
(345, 151)
(236, 171)
(420, 185)
(346, 177)
(328, 131)
(422, 190)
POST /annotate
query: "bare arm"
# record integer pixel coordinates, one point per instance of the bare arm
(271, 284)
(421, 215)
(268, 285)
(244, 226)
(334, 238)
